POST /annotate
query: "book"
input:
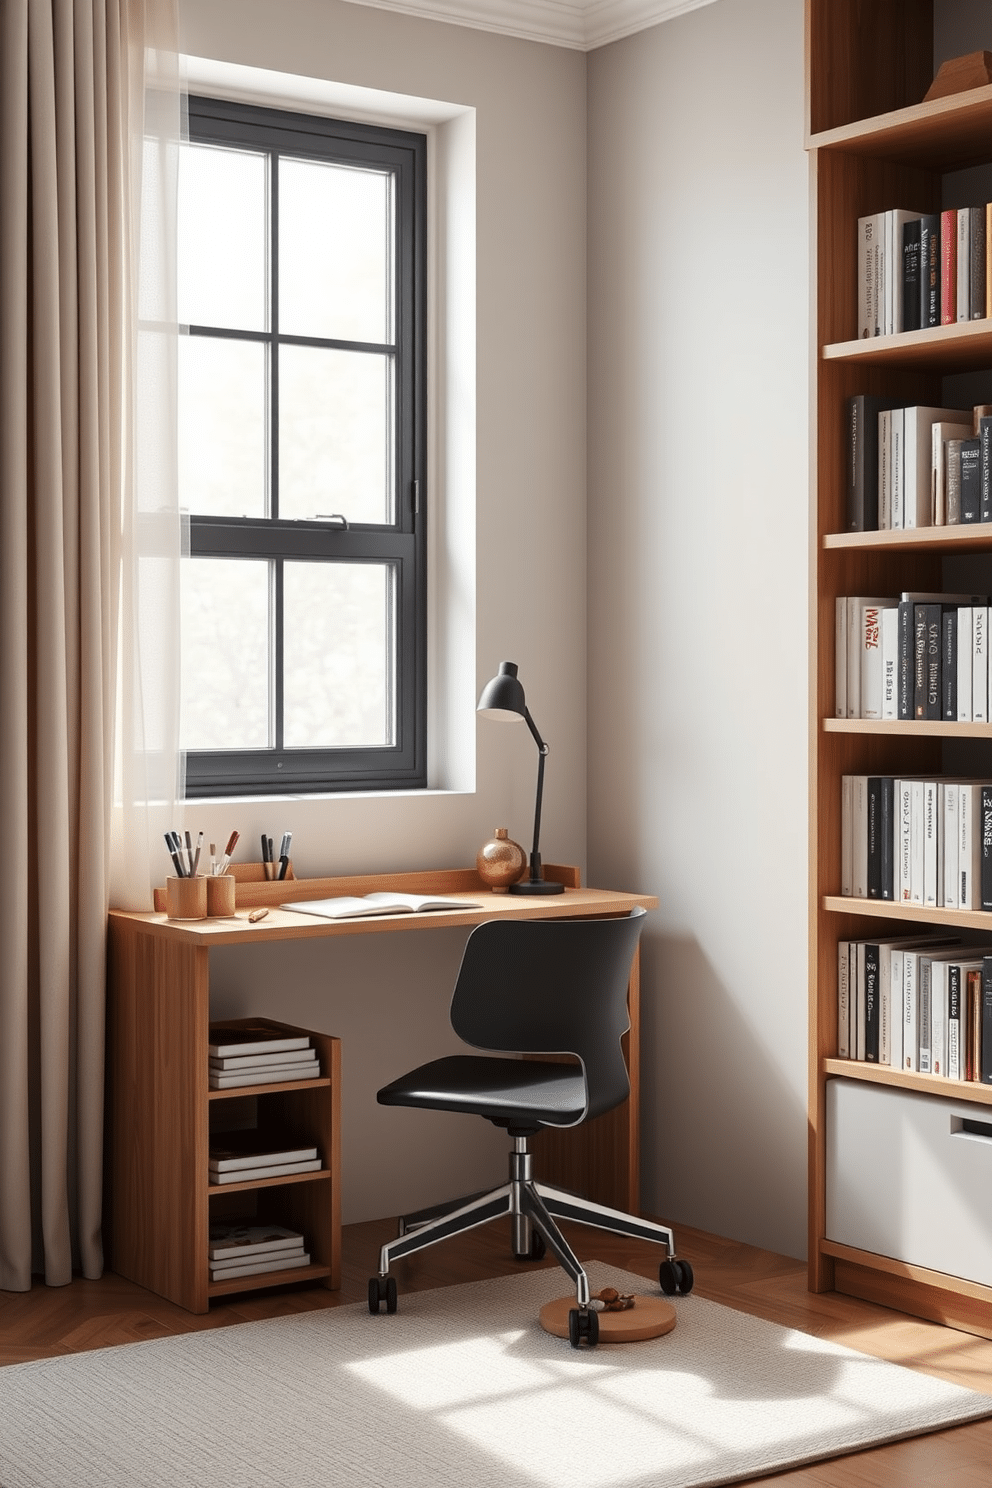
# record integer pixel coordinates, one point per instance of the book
(262, 1061)
(984, 1061)
(895, 222)
(969, 845)
(840, 656)
(890, 661)
(253, 1038)
(951, 793)
(346, 907)
(871, 658)
(293, 1256)
(859, 822)
(278, 1075)
(929, 270)
(888, 822)
(874, 803)
(862, 461)
(933, 889)
(965, 663)
(847, 835)
(948, 666)
(986, 849)
(897, 466)
(243, 1238)
(973, 1017)
(948, 267)
(912, 234)
(871, 1002)
(954, 1003)
(985, 469)
(946, 502)
(979, 663)
(971, 479)
(869, 323)
(976, 298)
(230, 1151)
(963, 306)
(884, 468)
(843, 999)
(273, 1170)
(258, 1268)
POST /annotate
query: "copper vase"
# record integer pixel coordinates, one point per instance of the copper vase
(501, 861)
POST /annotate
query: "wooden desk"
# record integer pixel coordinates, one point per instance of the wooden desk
(159, 1198)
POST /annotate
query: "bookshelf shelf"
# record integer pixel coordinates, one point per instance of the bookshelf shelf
(910, 728)
(875, 145)
(322, 1175)
(267, 1279)
(238, 1092)
(877, 1074)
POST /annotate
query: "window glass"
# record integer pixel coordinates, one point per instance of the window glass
(223, 238)
(223, 449)
(225, 654)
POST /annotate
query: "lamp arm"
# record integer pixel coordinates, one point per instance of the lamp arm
(542, 748)
(533, 728)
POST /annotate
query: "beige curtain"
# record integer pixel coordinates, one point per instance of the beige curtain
(71, 108)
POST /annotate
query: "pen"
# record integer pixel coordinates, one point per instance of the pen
(232, 843)
(173, 854)
(265, 848)
(213, 858)
(196, 856)
(284, 846)
(189, 853)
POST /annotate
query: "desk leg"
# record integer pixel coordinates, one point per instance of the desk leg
(602, 1158)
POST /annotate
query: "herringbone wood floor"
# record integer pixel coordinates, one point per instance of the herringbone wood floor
(95, 1314)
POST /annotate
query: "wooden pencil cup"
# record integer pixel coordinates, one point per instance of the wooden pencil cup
(186, 898)
(220, 893)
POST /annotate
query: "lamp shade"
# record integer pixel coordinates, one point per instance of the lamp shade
(503, 697)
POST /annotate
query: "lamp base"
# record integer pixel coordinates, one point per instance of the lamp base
(536, 886)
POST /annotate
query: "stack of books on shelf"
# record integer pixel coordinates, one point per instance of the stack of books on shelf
(916, 1004)
(242, 1248)
(252, 1156)
(916, 466)
(917, 841)
(918, 656)
(919, 269)
(256, 1056)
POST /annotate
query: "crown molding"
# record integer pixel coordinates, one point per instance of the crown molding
(579, 24)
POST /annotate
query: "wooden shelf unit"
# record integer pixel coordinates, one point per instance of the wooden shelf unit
(873, 145)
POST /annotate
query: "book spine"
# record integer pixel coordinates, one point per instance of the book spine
(872, 1030)
(934, 617)
(951, 793)
(874, 875)
(980, 663)
(911, 244)
(965, 664)
(853, 656)
(930, 270)
(884, 479)
(843, 1000)
(905, 840)
(907, 615)
(969, 846)
(948, 665)
(954, 1071)
(931, 836)
(910, 1042)
(973, 1032)
(963, 311)
(871, 661)
(884, 1007)
(867, 253)
(887, 872)
(858, 1002)
(971, 480)
(855, 464)
(976, 298)
(948, 267)
(952, 479)
(985, 467)
(860, 833)
(847, 835)
(902, 510)
(896, 1002)
(985, 1055)
(890, 662)
(986, 876)
(920, 623)
(938, 1019)
(916, 829)
(840, 656)
(923, 1014)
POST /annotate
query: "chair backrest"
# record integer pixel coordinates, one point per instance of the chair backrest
(552, 987)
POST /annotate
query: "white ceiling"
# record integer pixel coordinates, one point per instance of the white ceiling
(582, 24)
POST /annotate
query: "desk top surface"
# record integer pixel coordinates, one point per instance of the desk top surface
(481, 904)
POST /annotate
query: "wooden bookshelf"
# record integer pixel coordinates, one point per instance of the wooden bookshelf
(874, 145)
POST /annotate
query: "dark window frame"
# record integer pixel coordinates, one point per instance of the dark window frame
(403, 544)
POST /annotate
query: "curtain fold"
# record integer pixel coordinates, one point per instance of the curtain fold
(72, 112)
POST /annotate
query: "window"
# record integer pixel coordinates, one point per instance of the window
(302, 452)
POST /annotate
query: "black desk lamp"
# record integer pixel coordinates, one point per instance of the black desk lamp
(503, 699)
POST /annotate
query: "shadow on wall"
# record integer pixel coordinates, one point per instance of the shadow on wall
(701, 1159)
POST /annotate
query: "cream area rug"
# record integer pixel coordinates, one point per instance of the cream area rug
(460, 1388)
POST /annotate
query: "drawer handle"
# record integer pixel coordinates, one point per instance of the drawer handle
(967, 1126)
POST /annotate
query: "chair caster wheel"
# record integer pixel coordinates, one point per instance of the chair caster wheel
(382, 1289)
(583, 1326)
(675, 1276)
(537, 1250)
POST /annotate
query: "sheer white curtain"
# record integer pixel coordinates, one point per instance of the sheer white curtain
(72, 168)
(148, 774)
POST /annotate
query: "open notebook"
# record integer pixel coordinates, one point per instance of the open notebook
(351, 907)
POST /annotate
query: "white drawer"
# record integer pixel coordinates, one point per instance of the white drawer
(910, 1176)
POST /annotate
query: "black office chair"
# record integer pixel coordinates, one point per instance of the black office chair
(533, 987)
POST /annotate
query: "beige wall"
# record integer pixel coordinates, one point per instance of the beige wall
(698, 590)
(389, 1001)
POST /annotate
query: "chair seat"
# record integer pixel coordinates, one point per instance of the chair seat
(498, 1089)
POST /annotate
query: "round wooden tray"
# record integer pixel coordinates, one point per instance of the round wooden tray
(649, 1317)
